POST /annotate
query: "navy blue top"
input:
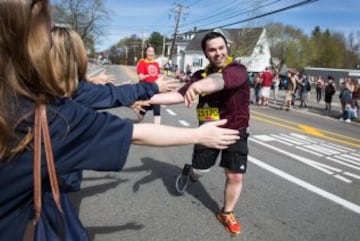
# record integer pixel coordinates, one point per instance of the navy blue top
(82, 139)
(101, 97)
(107, 96)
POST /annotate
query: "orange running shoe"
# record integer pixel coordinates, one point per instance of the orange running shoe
(230, 223)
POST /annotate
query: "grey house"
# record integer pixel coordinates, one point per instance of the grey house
(250, 47)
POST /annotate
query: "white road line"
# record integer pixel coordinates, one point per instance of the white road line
(307, 138)
(296, 157)
(95, 72)
(170, 112)
(343, 163)
(344, 159)
(352, 175)
(327, 145)
(301, 141)
(355, 159)
(309, 151)
(342, 178)
(286, 139)
(271, 138)
(336, 199)
(328, 167)
(184, 123)
(318, 149)
(342, 147)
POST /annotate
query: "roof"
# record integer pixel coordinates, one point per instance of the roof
(244, 39)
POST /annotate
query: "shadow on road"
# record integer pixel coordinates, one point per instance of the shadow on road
(77, 197)
(167, 173)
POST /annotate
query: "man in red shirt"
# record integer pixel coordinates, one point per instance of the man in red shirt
(267, 78)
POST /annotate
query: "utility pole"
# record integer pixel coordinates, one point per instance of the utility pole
(163, 47)
(126, 55)
(178, 12)
(142, 44)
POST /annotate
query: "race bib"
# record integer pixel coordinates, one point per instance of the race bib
(208, 114)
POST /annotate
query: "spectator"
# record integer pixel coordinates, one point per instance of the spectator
(319, 87)
(346, 93)
(149, 71)
(356, 96)
(330, 90)
(304, 87)
(266, 82)
(289, 95)
(275, 85)
(257, 88)
(348, 114)
(82, 139)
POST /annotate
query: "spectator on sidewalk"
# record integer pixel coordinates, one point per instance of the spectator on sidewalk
(356, 96)
(330, 90)
(349, 114)
(319, 87)
(257, 88)
(266, 82)
(290, 90)
(346, 93)
(275, 86)
(305, 87)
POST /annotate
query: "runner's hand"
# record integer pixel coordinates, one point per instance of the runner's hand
(192, 94)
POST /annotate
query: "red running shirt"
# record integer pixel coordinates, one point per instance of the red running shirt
(148, 67)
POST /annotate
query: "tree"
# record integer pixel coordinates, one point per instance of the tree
(287, 44)
(157, 40)
(321, 49)
(333, 50)
(87, 17)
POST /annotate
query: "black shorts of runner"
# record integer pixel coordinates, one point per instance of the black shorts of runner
(233, 158)
(155, 108)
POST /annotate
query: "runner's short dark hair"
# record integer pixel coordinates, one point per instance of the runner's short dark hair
(212, 35)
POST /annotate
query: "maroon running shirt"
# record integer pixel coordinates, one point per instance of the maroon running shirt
(232, 102)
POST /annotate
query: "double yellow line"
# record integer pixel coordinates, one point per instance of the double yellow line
(295, 126)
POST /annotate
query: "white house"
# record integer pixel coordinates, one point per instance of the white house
(252, 42)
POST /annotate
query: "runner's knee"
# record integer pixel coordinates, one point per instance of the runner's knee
(197, 173)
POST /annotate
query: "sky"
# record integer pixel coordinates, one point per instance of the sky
(143, 17)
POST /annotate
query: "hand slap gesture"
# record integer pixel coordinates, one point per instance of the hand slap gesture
(214, 136)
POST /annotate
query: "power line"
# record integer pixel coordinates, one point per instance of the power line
(243, 11)
(220, 10)
(270, 13)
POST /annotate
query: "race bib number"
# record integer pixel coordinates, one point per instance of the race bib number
(208, 114)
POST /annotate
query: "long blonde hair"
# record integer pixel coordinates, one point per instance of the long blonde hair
(69, 58)
(25, 72)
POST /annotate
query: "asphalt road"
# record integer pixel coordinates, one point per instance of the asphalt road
(302, 183)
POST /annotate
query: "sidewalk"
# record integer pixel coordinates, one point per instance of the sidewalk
(312, 105)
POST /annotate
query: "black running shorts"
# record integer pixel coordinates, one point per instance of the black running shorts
(233, 158)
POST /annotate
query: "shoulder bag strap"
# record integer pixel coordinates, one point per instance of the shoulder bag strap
(42, 130)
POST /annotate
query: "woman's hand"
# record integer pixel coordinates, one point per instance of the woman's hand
(166, 84)
(102, 78)
(214, 136)
(137, 106)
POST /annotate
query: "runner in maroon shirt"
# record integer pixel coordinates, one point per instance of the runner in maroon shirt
(223, 91)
